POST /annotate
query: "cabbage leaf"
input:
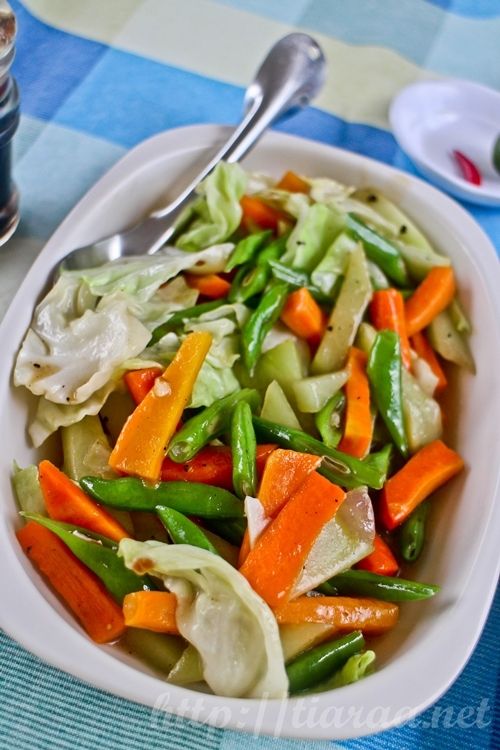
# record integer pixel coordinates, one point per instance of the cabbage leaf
(218, 213)
(50, 416)
(314, 232)
(139, 277)
(67, 358)
(218, 612)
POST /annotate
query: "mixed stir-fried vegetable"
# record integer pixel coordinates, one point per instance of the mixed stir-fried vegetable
(251, 427)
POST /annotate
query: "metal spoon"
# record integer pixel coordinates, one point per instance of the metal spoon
(290, 76)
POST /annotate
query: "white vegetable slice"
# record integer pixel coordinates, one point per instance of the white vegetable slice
(219, 613)
(256, 518)
(344, 540)
(424, 374)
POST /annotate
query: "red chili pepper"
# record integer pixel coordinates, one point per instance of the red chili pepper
(467, 167)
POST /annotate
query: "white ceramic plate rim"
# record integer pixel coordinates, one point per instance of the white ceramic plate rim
(63, 645)
(405, 101)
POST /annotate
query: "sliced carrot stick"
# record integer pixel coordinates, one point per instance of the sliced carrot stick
(381, 560)
(211, 285)
(292, 182)
(78, 587)
(280, 552)
(430, 298)
(425, 351)
(257, 213)
(140, 382)
(284, 473)
(387, 310)
(345, 613)
(141, 444)
(358, 429)
(212, 465)
(151, 610)
(431, 467)
(66, 502)
(303, 315)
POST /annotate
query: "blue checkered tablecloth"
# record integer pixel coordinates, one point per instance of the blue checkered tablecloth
(98, 77)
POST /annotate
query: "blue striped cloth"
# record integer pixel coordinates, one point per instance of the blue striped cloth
(96, 79)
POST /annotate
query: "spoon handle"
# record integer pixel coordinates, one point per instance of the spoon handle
(289, 77)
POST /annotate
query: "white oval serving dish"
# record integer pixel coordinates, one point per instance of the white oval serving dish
(430, 119)
(425, 653)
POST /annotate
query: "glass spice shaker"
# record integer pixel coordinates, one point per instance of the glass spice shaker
(9, 120)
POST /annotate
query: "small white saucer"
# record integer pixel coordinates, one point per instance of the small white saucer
(433, 118)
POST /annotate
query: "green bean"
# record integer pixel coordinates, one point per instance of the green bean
(412, 533)
(207, 425)
(329, 418)
(319, 663)
(338, 467)
(298, 279)
(251, 281)
(261, 321)
(176, 320)
(183, 531)
(99, 554)
(387, 588)
(244, 450)
(235, 293)
(379, 250)
(247, 248)
(255, 278)
(356, 667)
(384, 373)
(192, 498)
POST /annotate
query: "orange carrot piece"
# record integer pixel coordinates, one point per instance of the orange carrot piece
(78, 587)
(212, 465)
(430, 298)
(244, 549)
(431, 467)
(358, 429)
(141, 444)
(151, 610)
(387, 310)
(293, 183)
(66, 502)
(284, 473)
(279, 554)
(426, 352)
(381, 560)
(140, 382)
(211, 285)
(260, 214)
(303, 315)
(344, 613)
